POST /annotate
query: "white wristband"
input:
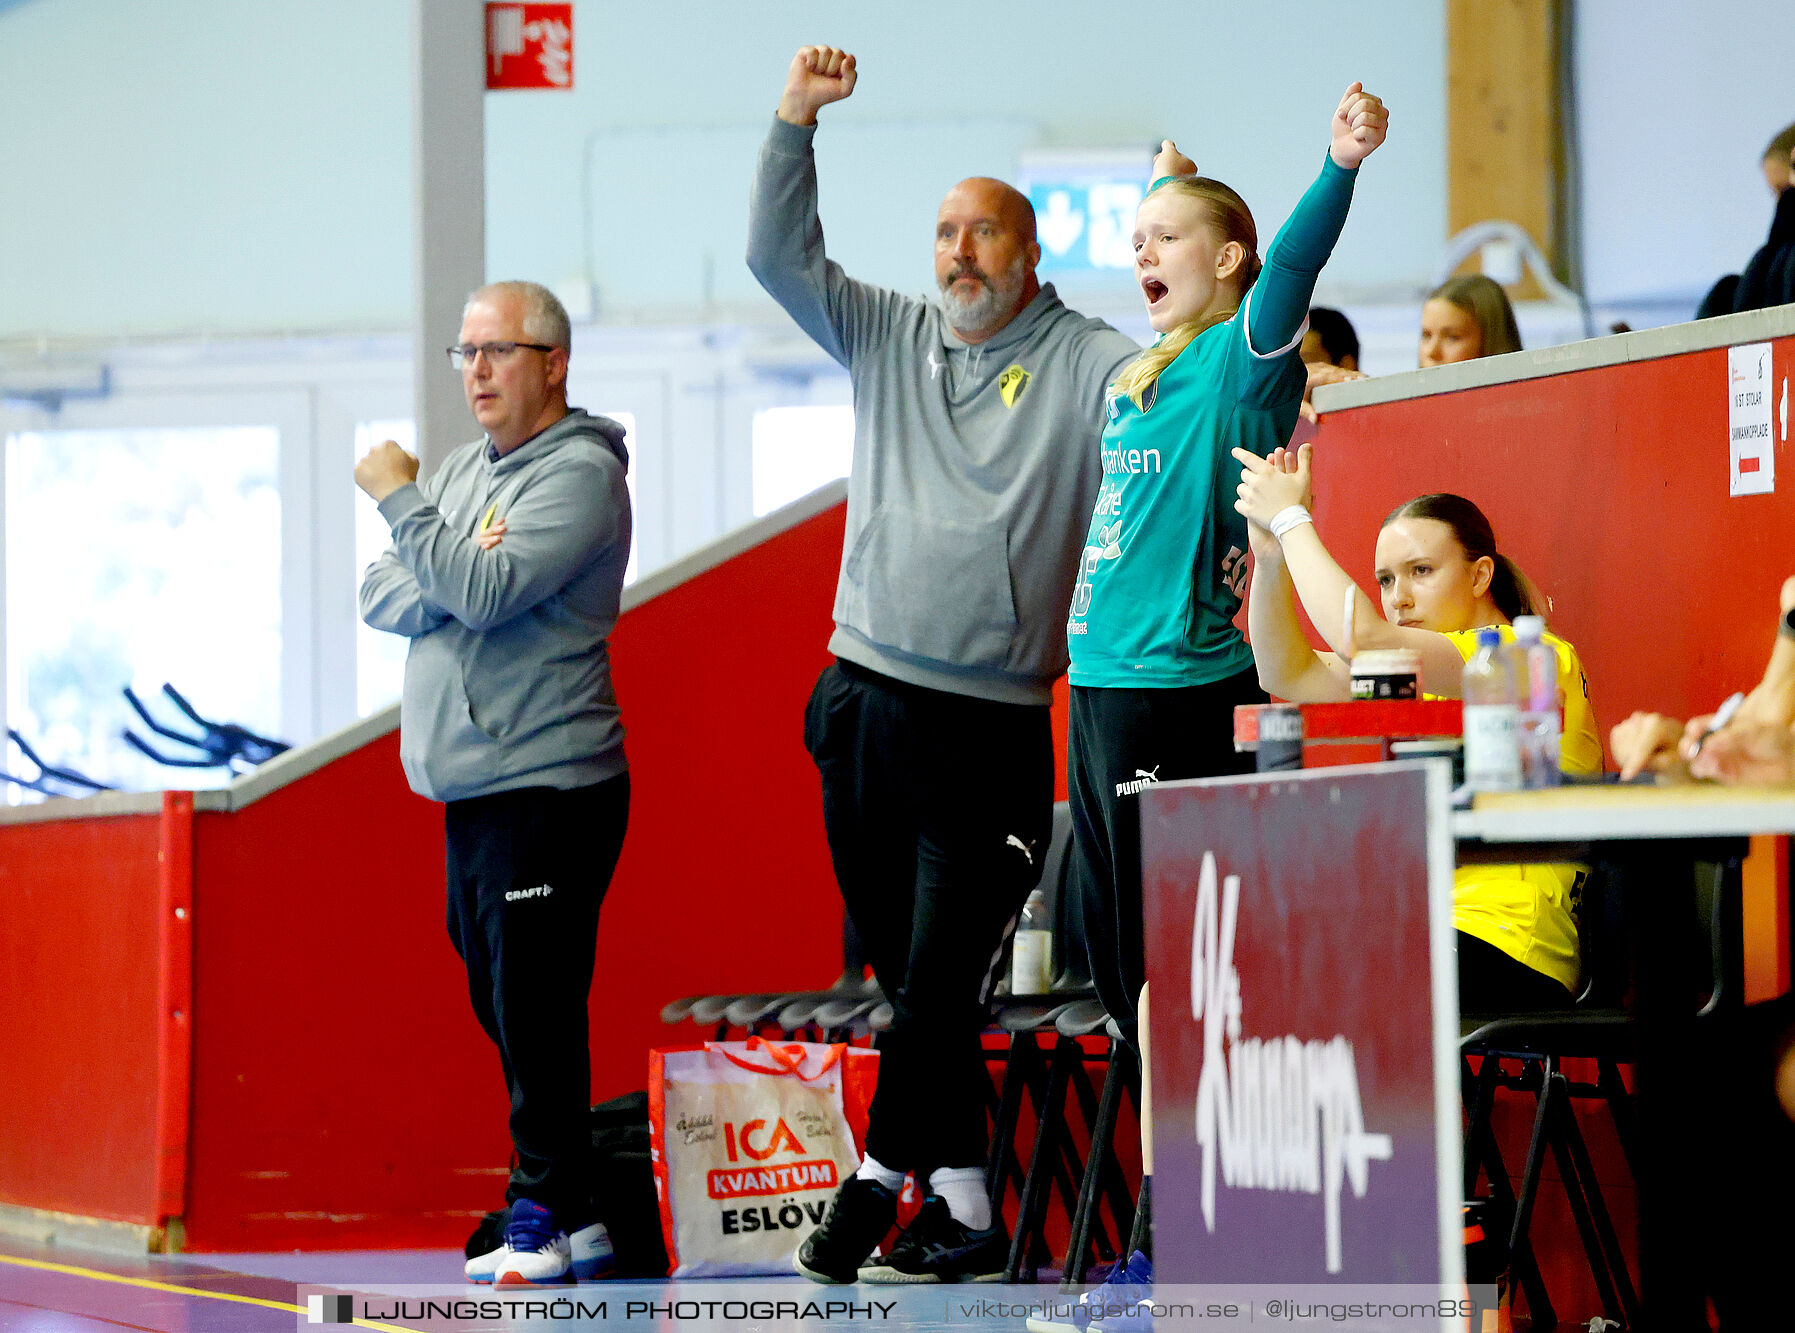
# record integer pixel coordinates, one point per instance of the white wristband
(1291, 516)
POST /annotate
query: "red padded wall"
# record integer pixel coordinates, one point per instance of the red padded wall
(78, 1001)
(1609, 486)
(724, 883)
(342, 1092)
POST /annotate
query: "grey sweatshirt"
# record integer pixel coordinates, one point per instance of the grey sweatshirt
(975, 467)
(508, 681)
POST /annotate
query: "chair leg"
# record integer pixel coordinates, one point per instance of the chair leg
(1103, 1130)
(1121, 1199)
(1613, 1090)
(1071, 1189)
(1025, 1078)
(1607, 1260)
(1049, 1113)
(1141, 1236)
(1480, 1102)
(1522, 1265)
(1555, 1089)
(1009, 1113)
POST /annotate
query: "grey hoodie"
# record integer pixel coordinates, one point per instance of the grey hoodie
(975, 467)
(508, 681)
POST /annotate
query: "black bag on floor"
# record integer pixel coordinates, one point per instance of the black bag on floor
(622, 1187)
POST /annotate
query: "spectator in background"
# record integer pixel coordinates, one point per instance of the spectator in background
(1464, 318)
(1330, 352)
(1769, 278)
(1779, 160)
(1331, 340)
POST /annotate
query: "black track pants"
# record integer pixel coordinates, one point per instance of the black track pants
(938, 809)
(527, 870)
(1119, 743)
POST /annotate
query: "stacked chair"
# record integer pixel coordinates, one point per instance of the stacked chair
(1042, 1064)
(1526, 1052)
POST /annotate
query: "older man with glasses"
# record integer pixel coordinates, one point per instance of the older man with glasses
(506, 573)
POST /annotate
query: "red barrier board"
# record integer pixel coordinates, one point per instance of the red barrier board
(1610, 487)
(79, 991)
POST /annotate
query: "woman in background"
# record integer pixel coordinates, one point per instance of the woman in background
(1465, 318)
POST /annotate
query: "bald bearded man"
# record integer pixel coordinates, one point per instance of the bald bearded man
(977, 423)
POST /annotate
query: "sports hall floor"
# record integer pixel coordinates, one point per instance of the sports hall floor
(62, 1289)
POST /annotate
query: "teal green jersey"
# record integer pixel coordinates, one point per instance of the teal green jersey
(1165, 565)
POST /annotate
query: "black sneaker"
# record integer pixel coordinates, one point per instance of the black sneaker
(859, 1216)
(937, 1247)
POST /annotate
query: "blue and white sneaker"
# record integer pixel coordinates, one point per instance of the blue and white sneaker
(482, 1266)
(1108, 1308)
(592, 1253)
(589, 1248)
(537, 1250)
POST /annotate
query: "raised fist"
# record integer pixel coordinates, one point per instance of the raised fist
(819, 75)
(1170, 162)
(1360, 123)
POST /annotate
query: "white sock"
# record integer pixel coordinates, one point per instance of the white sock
(870, 1169)
(963, 1187)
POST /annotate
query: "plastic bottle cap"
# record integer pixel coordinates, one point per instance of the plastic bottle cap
(1529, 627)
(1488, 636)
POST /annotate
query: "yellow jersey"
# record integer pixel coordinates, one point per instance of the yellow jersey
(1529, 911)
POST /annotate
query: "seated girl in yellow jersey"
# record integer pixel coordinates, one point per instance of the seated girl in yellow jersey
(1441, 578)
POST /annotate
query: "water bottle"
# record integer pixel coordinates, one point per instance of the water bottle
(1031, 957)
(1492, 716)
(1539, 704)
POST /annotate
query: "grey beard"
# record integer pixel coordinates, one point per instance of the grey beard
(975, 313)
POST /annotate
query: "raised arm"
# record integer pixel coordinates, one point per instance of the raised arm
(785, 234)
(1279, 301)
(1288, 667)
(1267, 492)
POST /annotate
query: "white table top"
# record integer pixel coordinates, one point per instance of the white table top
(1586, 814)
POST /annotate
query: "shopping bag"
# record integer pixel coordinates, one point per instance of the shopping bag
(750, 1140)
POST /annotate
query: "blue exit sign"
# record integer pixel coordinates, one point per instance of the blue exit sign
(1084, 207)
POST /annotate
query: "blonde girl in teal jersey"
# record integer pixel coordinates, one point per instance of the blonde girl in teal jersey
(1157, 664)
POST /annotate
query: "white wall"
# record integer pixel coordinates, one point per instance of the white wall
(243, 165)
(204, 166)
(1676, 102)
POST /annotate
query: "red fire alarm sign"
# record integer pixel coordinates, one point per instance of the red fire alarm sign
(529, 46)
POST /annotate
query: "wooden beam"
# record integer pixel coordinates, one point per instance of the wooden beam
(1503, 158)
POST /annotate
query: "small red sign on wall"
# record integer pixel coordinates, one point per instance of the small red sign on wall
(529, 46)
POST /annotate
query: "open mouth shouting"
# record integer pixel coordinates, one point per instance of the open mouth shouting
(1154, 290)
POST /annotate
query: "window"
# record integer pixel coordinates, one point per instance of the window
(798, 449)
(379, 656)
(138, 557)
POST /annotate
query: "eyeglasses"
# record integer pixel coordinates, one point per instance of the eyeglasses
(494, 352)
